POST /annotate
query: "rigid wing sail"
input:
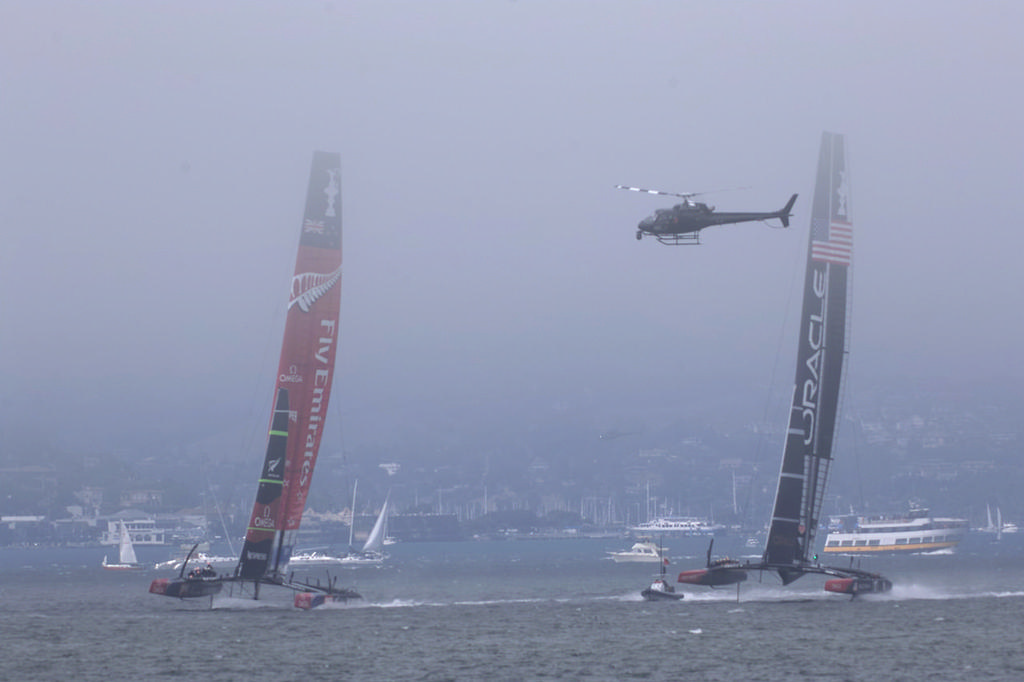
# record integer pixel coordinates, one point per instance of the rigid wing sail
(821, 358)
(303, 391)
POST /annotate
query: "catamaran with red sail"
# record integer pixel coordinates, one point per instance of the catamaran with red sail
(821, 358)
(301, 396)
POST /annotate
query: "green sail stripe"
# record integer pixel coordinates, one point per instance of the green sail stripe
(278, 433)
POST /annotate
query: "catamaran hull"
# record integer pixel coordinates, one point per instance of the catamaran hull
(185, 589)
(311, 600)
(860, 585)
(713, 577)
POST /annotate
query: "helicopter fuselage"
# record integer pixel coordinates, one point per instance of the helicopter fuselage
(682, 222)
(685, 218)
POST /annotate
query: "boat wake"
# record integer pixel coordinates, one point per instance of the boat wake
(758, 596)
(246, 604)
(415, 603)
(949, 551)
(915, 591)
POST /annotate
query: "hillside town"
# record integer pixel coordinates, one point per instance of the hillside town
(940, 450)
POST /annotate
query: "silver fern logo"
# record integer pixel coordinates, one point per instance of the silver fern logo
(307, 287)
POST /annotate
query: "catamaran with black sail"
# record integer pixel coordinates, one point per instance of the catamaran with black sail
(821, 358)
(301, 396)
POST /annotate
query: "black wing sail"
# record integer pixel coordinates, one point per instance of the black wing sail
(266, 526)
(820, 359)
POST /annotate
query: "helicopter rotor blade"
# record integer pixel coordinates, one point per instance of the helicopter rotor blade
(686, 195)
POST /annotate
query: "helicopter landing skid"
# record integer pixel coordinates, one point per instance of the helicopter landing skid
(685, 239)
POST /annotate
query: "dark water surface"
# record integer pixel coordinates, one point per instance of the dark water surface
(523, 610)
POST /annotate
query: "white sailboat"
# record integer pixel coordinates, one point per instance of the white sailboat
(127, 560)
(372, 553)
(373, 548)
(998, 527)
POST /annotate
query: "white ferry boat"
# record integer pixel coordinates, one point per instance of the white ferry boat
(141, 532)
(676, 525)
(915, 531)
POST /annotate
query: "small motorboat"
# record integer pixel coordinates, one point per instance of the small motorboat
(660, 590)
(647, 552)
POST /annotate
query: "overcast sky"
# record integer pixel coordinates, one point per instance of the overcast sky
(154, 156)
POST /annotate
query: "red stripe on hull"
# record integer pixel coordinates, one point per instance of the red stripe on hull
(840, 585)
(713, 577)
(693, 577)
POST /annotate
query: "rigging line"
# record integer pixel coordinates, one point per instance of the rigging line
(800, 252)
(220, 515)
(844, 382)
(216, 504)
(252, 439)
(856, 438)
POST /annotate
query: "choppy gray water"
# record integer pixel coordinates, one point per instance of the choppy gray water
(522, 610)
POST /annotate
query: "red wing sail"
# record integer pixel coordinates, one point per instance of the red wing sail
(306, 368)
(262, 537)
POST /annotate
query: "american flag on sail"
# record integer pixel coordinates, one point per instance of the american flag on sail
(831, 242)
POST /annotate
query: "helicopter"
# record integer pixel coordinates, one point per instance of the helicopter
(682, 223)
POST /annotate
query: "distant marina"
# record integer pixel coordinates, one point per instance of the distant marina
(676, 526)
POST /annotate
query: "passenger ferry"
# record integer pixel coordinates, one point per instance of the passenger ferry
(915, 531)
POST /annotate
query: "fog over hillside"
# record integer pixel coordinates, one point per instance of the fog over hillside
(153, 174)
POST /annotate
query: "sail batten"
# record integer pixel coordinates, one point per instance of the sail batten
(821, 357)
(263, 535)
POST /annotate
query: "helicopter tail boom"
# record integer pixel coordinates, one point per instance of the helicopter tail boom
(784, 214)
